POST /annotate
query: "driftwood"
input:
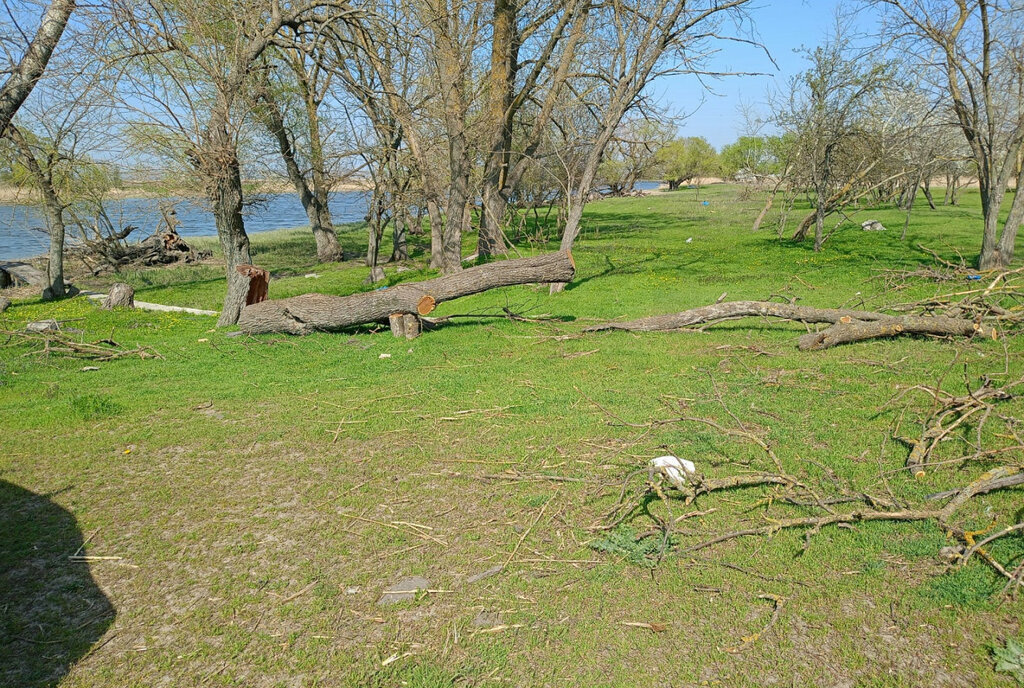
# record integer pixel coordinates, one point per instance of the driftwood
(121, 296)
(322, 313)
(847, 325)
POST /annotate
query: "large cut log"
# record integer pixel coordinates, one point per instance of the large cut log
(322, 313)
(730, 310)
(858, 331)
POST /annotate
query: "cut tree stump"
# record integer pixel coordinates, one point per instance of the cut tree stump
(321, 313)
(121, 296)
(5, 303)
(404, 325)
(847, 325)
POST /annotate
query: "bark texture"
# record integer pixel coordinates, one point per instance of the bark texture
(121, 296)
(321, 313)
(24, 77)
(857, 331)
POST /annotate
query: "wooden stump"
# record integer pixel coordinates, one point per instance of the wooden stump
(404, 325)
(121, 296)
(412, 326)
(5, 303)
(259, 283)
(397, 323)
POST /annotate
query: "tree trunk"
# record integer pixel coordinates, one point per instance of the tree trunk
(314, 201)
(218, 161)
(55, 265)
(33, 63)
(54, 286)
(436, 221)
(572, 230)
(320, 313)
(926, 186)
(990, 257)
(400, 250)
(498, 108)
(911, 197)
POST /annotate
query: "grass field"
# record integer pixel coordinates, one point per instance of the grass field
(255, 496)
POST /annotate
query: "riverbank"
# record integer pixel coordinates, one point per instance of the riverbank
(13, 195)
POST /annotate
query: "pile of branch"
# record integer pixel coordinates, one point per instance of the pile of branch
(847, 325)
(310, 313)
(57, 343)
(788, 489)
(950, 413)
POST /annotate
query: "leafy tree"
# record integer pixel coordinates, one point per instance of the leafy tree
(688, 158)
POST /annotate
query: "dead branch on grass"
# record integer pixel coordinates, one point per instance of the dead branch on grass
(57, 343)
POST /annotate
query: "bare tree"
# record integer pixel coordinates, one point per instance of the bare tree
(826, 109)
(29, 68)
(193, 63)
(975, 51)
(631, 43)
(290, 104)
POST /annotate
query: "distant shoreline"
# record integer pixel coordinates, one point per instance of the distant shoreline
(10, 195)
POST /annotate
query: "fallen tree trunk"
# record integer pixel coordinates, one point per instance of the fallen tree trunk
(730, 310)
(858, 331)
(847, 325)
(322, 313)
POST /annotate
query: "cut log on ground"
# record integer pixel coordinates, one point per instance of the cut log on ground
(18, 273)
(321, 313)
(121, 296)
(847, 325)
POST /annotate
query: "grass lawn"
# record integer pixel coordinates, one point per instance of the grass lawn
(244, 502)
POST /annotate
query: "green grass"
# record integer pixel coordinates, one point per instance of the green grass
(228, 476)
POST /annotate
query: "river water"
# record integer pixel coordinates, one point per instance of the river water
(22, 227)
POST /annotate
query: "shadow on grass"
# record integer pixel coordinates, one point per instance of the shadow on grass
(51, 609)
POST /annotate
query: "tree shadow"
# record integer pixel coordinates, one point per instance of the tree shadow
(51, 609)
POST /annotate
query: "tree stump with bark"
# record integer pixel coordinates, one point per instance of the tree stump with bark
(321, 313)
(405, 325)
(121, 296)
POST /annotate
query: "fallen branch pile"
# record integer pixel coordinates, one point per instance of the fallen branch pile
(782, 488)
(322, 313)
(847, 325)
(57, 343)
(952, 412)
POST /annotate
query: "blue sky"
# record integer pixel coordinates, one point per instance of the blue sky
(783, 26)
